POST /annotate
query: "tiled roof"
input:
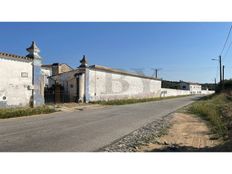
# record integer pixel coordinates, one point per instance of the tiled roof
(14, 57)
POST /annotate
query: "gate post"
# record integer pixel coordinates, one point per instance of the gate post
(37, 78)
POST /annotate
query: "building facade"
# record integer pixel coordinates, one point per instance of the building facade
(26, 82)
(53, 69)
(21, 79)
(95, 83)
(194, 88)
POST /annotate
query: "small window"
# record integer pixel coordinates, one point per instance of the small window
(71, 86)
(4, 97)
(24, 74)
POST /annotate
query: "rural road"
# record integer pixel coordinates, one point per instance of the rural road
(82, 131)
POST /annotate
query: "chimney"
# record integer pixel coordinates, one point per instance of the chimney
(55, 68)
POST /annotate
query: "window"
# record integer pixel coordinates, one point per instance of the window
(24, 74)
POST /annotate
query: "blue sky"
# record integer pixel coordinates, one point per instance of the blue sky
(183, 51)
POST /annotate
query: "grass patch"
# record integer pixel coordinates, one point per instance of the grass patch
(211, 108)
(19, 112)
(132, 101)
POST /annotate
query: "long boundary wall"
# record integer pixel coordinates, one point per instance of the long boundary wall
(166, 92)
(105, 85)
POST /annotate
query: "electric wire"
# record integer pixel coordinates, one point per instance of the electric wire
(228, 35)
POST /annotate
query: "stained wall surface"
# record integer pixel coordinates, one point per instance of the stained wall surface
(110, 86)
(15, 82)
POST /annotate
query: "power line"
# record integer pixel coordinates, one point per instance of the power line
(226, 40)
(227, 50)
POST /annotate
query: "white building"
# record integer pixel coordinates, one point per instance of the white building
(93, 83)
(194, 88)
(20, 82)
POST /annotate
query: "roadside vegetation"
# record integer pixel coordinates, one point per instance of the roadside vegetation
(212, 109)
(19, 112)
(132, 101)
(217, 110)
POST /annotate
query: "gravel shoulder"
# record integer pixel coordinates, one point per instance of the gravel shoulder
(186, 133)
(177, 132)
(140, 137)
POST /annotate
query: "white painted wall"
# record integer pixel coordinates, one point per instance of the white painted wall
(207, 92)
(103, 85)
(46, 72)
(121, 86)
(195, 89)
(166, 92)
(12, 85)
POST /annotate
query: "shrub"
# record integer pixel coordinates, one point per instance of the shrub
(211, 109)
(132, 101)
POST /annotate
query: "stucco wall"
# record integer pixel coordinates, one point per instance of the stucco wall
(194, 88)
(46, 72)
(110, 86)
(16, 76)
(166, 92)
(206, 92)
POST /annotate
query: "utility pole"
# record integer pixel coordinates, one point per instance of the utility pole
(156, 71)
(220, 65)
(223, 73)
(215, 83)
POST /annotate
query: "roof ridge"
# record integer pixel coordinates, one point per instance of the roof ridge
(126, 72)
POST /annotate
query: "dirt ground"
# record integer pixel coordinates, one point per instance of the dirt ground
(186, 133)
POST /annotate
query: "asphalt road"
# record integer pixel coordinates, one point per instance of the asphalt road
(81, 131)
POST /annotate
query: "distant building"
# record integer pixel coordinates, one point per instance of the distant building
(194, 88)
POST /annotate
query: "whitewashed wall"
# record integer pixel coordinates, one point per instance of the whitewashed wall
(46, 72)
(12, 83)
(195, 89)
(110, 86)
(207, 92)
(166, 92)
